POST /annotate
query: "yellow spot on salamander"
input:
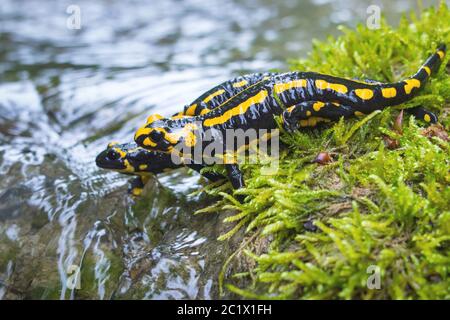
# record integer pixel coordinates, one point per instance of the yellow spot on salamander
(389, 92)
(212, 95)
(112, 143)
(191, 110)
(411, 84)
(178, 116)
(240, 84)
(154, 117)
(308, 113)
(122, 153)
(365, 94)
(427, 70)
(312, 122)
(441, 54)
(128, 166)
(142, 166)
(205, 111)
(136, 191)
(358, 113)
(318, 105)
(322, 84)
(141, 132)
(238, 110)
(190, 139)
(189, 134)
(281, 87)
(149, 143)
(304, 123)
(427, 118)
(171, 137)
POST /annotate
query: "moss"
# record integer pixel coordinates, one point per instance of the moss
(372, 206)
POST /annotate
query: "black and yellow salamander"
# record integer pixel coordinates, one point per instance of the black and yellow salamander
(130, 159)
(301, 98)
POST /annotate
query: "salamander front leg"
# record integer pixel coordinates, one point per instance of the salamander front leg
(309, 113)
(137, 185)
(236, 178)
(235, 175)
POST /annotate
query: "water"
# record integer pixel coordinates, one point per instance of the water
(64, 94)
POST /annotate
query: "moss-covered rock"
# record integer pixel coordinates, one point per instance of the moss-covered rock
(375, 222)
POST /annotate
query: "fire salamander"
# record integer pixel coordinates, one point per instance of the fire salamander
(130, 159)
(303, 99)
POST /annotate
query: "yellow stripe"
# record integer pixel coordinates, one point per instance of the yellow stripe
(358, 113)
(389, 92)
(441, 54)
(141, 131)
(191, 110)
(428, 70)
(365, 94)
(243, 91)
(178, 116)
(281, 87)
(204, 111)
(290, 109)
(238, 110)
(154, 117)
(322, 84)
(212, 95)
(427, 118)
(240, 84)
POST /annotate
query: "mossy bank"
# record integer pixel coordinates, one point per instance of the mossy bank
(372, 223)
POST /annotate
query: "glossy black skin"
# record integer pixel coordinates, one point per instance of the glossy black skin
(131, 158)
(230, 91)
(115, 156)
(292, 104)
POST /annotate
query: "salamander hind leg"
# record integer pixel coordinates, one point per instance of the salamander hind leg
(309, 113)
(422, 114)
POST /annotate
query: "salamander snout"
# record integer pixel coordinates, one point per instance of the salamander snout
(111, 158)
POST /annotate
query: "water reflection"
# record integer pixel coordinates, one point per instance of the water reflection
(64, 94)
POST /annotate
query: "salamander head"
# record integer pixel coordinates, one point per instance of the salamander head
(129, 158)
(163, 134)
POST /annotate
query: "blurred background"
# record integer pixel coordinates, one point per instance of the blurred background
(66, 90)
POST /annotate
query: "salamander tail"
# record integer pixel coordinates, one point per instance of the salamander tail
(431, 65)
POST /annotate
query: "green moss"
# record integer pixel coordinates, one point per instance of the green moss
(372, 206)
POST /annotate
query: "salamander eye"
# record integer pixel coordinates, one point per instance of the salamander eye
(156, 136)
(113, 154)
